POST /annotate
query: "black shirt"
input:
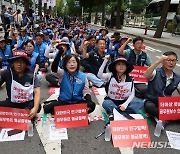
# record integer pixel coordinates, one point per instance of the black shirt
(96, 61)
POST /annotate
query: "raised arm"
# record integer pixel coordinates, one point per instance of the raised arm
(122, 48)
(105, 76)
(149, 72)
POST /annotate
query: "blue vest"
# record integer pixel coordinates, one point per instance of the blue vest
(71, 87)
(157, 87)
(141, 58)
(6, 55)
(22, 41)
(48, 42)
(33, 61)
(41, 50)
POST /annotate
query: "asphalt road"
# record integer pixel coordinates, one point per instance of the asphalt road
(82, 140)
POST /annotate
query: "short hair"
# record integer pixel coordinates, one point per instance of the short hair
(91, 37)
(101, 39)
(139, 38)
(170, 53)
(29, 41)
(66, 60)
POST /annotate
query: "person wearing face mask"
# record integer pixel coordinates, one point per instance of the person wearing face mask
(119, 87)
(74, 84)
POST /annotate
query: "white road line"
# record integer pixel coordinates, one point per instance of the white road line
(126, 150)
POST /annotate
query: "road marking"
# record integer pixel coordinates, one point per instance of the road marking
(126, 150)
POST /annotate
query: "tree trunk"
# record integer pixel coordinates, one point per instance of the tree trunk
(162, 20)
(26, 7)
(89, 18)
(103, 13)
(96, 16)
(118, 14)
(40, 9)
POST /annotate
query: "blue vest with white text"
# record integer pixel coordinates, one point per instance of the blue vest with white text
(72, 87)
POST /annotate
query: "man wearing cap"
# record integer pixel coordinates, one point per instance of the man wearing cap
(22, 85)
(46, 39)
(40, 48)
(135, 56)
(5, 53)
(51, 53)
(21, 39)
(103, 34)
(114, 45)
(123, 39)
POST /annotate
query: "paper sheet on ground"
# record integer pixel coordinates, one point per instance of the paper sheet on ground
(17, 137)
(101, 91)
(57, 134)
(174, 139)
(118, 116)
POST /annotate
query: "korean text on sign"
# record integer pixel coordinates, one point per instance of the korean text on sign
(169, 108)
(68, 116)
(14, 118)
(126, 132)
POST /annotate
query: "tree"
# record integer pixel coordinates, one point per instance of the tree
(60, 7)
(137, 6)
(118, 25)
(162, 20)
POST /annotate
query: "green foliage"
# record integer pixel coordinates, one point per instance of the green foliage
(60, 7)
(138, 6)
(71, 9)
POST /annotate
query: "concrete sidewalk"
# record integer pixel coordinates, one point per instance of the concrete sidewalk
(166, 39)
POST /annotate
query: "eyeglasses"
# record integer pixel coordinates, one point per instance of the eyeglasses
(171, 60)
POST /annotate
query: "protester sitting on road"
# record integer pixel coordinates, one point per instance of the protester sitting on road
(5, 53)
(119, 87)
(51, 78)
(74, 84)
(21, 39)
(40, 48)
(122, 40)
(114, 45)
(22, 85)
(32, 55)
(95, 59)
(162, 82)
(103, 34)
(136, 57)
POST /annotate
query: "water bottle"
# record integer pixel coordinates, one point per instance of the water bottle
(157, 131)
(30, 129)
(107, 133)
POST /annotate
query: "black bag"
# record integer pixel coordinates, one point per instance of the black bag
(140, 89)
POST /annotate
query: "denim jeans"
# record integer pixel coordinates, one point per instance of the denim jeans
(95, 80)
(134, 106)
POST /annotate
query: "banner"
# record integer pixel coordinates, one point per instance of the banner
(14, 118)
(130, 133)
(68, 116)
(169, 108)
(138, 73)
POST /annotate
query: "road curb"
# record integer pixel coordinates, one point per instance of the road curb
(145, 38)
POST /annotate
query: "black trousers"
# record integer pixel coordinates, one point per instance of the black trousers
(53, 80)
(151, 108)
(49, 106)
(27, 105)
